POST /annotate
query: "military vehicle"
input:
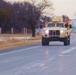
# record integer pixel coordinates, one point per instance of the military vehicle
(56, 30)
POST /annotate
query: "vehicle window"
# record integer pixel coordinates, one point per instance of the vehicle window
(51, 25)
(60, 25)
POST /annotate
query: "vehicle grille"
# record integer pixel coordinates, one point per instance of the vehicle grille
(54, 32)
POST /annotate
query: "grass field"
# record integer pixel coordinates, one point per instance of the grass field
(10, 40)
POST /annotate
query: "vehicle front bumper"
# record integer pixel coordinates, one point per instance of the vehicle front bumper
(55, 38)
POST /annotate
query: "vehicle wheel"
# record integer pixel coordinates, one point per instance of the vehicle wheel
(66, 42)
(45, 41)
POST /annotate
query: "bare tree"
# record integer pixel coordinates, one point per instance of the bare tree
(65, 18)
(42, 5)
(29, 13)
(38, 8)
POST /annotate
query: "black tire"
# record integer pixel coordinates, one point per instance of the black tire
(66, 41)
(45, 41)
(69, 40)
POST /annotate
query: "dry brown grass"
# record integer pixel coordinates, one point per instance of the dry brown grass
(14, 35)
(14, 42)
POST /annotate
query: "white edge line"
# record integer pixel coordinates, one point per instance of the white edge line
(19, 50)
(69, 50)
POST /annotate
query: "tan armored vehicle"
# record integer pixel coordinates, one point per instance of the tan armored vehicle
(56, 30)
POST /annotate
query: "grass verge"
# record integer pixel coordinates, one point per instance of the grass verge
(16, 42)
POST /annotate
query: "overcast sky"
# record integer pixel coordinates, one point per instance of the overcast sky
(66, 7)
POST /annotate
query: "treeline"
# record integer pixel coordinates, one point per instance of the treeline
(22, 15)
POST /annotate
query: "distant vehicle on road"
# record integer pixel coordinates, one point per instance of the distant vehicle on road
(56, 30)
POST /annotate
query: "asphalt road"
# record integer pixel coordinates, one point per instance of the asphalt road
(35, 59)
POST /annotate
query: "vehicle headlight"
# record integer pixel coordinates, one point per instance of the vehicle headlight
(46, 31)
(61, 31)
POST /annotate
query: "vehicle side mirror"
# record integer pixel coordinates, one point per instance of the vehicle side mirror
(41, 26)
(66, 25)
(70, 26)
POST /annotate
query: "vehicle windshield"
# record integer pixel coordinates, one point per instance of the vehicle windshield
(60, 25)
(51, 25)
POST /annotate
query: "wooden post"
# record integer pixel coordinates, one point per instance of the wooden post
(12, 30)
(26, 34)
(24, 30)
(0, 30)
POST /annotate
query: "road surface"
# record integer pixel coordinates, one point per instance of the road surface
(35, 59)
